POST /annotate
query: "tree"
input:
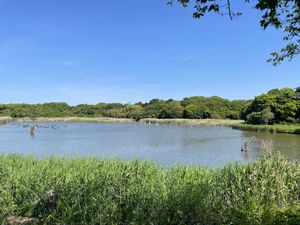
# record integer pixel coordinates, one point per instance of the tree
(171, 109)
(134, 112)
(276, 106)
(153, 109)
(263, 117)
(298, 92)
(254, 118)
(281, 14)
(267, 116)
(84, 110)
(4, 110)
(236, 109)
(53, 109)
(287, 105)
(264, 101)
(190, 111)
(275, 91)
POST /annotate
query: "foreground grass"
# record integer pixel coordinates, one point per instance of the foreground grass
(291, 129)
(95, 191)
(193, 122)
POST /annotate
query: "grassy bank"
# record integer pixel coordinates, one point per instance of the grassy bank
(94, 191)
(193, 122)
(291, 129)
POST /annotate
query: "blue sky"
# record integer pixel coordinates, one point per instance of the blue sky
(78, 51)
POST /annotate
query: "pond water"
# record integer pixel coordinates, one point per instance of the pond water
(166, 145)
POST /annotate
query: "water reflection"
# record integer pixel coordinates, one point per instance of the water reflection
(287, 144)
(166, 145)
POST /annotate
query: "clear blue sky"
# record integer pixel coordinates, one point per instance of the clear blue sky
(79, 51)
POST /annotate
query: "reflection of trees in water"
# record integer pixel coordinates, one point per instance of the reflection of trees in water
(285, 144)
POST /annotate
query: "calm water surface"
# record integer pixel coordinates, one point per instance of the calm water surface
(166, 145)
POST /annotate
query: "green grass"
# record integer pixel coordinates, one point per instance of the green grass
(193, 122)
(95, 191)
(292, 129)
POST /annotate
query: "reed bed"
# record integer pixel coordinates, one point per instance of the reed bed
(192, 122)
(180, 122)
(76, 119)
(95, 191)
(278, 128)
(5, 119)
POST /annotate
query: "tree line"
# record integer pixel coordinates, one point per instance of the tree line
(194, 108)
(276, 106)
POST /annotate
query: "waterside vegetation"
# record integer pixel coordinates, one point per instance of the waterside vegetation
(276, 128)
(74, 119)
(192, 122)
(5, 119)
(95, 191)
(280, 107)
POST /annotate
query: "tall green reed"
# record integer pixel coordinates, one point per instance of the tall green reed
(95, 191)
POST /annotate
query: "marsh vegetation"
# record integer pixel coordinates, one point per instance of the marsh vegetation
(5, 119)
(276, 128)
(95, 191)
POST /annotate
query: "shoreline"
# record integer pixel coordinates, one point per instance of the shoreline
(192, 122)
(5, 119)
(179, 122)
(234, 124)
(70, 119)
(277, 128)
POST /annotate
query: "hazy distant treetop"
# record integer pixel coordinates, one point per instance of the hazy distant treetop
(274, 92)
(281, 14)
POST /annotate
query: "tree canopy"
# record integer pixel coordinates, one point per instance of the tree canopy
(197, 107)
(281, 14)
(277, 106)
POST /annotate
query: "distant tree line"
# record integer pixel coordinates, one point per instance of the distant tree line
(277, 106)
(193, 108)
